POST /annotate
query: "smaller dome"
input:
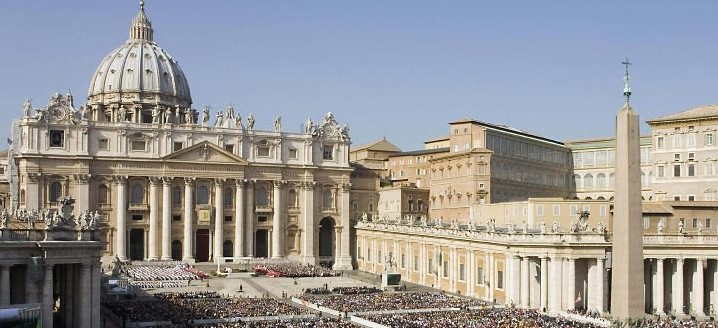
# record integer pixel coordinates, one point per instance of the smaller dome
(140, 71)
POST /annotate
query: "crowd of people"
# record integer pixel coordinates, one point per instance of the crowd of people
(355, 290)
(391, 301)
(293, 270)
(480, 318)
(162, 273)
(183, 307)
(187, 295)
(157, 284)
(319, 322)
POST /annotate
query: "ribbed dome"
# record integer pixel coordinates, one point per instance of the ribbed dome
(139, 71)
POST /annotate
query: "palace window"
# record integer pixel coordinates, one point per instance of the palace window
(138, 145)
(691, 170)
(102, 194)
(328, 199)
(661, 171)
(229, 148)
(500, 279)
(55, 191)
(262, 151)
(292, 153)
(445, 269)
(176, 196)
(480, 276)
(292, 198)
(138, 194)
(660, 142)
(676, 170)
(177, 145)
(709, 141)
(328, 152)
(202, 195)
(262, 197)
(416, 262)
(228, 192)
(462, 272)
(57, 138)
(103, 144)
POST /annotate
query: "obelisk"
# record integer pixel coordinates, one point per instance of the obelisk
(627, 298)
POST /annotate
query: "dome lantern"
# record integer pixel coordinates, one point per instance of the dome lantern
(141, 26)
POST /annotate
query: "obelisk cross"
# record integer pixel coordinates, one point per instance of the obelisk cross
(627, 80)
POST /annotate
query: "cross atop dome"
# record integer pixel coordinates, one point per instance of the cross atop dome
(626, 81)
(141, 26)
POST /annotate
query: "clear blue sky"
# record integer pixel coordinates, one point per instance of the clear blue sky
(400, 69)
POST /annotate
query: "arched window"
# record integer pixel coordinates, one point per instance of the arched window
(588, 181)
(55, 191)
(577, 179)
(228, 192)
(328, 199)
(202, 195)
(610, 180)
(421, 205)
(227, 249)
(102, 194)
(292, 198)
(138, 194)
(22, 196)
(262, 196)
(176, 196)
(601, 181)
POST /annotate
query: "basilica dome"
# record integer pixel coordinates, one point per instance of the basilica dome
(140, 73)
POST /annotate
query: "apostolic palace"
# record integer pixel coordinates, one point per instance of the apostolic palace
(488, 211)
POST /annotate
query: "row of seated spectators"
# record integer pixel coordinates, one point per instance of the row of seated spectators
(158, 284)
(293, 270)
(343, 290)
(322, 322)
(480, 318)
(187, 295)
(181, 308)
(391, 301)
(162, 273)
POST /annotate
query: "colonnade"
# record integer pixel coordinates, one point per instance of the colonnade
(682, 286)
(244, 217)
(78, 292)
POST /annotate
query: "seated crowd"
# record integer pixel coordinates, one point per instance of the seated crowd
(162, 273)
(480, 318)
(322, 322)
(342, 290)
(293, 270)
(391, 301)
(182, 307)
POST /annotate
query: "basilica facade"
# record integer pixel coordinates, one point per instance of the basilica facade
(174, 183)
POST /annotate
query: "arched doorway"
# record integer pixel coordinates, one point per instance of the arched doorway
(137, 244)
(176, 250)
(326, 241)
(227, 248)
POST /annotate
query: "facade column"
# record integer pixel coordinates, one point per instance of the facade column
(678, 288)
(187, 255)
(85, 297)
(47, 298)
(239, 218)
(308, 255)
(4, 284)
(422, 264)
(344, 259)
(30, 286)
(714, 305)
(658, 287)
(121, 243)
(525, 281)
(453, 272)
(218, 218)
(95, 306)
(492, 277)
(697, 301)
(32, 194)
(471, 273)
(556, 284)
(249, 208)
(600, 289)
(166, 218)
(277, 221)
(544, 284)
(571, 284)
(154, 219)
(515, 280)
(82, 191)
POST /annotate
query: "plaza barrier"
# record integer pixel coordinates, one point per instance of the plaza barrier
(366, 323)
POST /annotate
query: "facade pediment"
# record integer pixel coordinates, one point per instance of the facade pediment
(204, 152)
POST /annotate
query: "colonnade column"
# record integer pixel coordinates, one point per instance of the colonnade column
(47, 297)
(85, 297)
(344, 258)
(249, 233)
(571, 284)
(166, 218)
(678, 288)
(525, 281)
(697, 301)
(4, 284)
(188, 218)
(121, 206)
(239, 218)
(154, 220)
(422, 264)
(600, 276)
(544, 284)
(714, 305)
(218, 218)
(95, 308)
(277, 221)
(308, 255)
(515, 280)
(658, 288)
(471, 274)
(556, 284)
(492, 277)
